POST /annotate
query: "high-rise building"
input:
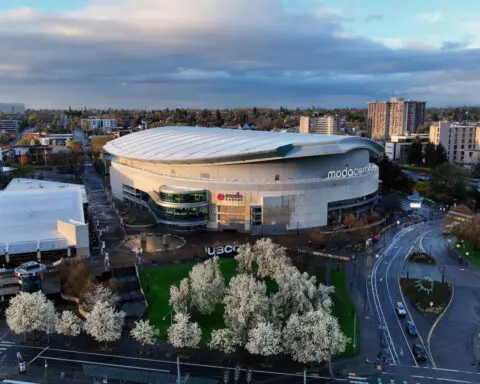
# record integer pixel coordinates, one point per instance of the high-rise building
(94, 123)
(462, 142)
(397, 117)
(329, 125)
(10, 126)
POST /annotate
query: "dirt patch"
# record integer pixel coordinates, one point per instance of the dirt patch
(427, 296)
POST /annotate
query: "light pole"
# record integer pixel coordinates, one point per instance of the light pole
(171, 317)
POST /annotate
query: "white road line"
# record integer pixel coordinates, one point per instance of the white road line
(7, 342)
(453, 380)
(107, 364)
(38, 355)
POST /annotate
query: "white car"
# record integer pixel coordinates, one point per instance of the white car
(400, 309)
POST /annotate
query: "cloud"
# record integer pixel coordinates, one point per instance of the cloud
(429, 17)
(375, 17)
(185, 53)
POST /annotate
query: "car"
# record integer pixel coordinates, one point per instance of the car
(411, 329)
(400, 309)
(419, 352)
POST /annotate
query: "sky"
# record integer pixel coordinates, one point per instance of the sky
(238, 53)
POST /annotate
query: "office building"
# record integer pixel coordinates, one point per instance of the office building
(10, 126)
(462, 142)
(397, 117)
(249, 181)
(327, 125)
(398, 147)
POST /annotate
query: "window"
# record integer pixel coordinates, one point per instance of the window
(277, 177)
(186, 198)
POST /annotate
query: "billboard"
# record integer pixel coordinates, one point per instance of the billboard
(415, 204)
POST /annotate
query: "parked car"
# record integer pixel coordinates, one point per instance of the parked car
(400, 309)
(419, 353)
(411, 329)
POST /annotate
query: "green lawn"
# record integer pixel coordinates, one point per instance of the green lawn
(163, 277)
(344, 310)
(158, 308)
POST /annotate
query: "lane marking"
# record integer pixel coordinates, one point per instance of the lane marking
(453, 380)
(429, 337)
(38, 355)
(107, 364)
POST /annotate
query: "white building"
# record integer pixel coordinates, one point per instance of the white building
(327, 125)
(249, 181)
(462, 142)
(105, 124)
(398, 147)
(43, 221)
(12, 108)
(12, 126)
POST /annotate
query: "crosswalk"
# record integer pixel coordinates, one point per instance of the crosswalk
(4, 345)
(364, 380)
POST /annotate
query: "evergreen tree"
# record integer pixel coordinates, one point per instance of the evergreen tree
(416, 153)
(430, 155)
(440, 155)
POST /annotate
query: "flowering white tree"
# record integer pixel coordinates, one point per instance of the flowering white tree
(179, 297)
(224, 340)
(298, 292)
(207, 285)
(104, 323)
(246, 258)
(144, 333)
(265, 339)
(69, 325)
(314, 337)
(183, 333)
(246, 303)
(29, 312)
(269, 256)
(100, 294)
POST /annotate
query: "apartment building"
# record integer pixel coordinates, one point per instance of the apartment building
(329, 125)
(10, 126)
(462, 142)
(94, 123)
(397, 117)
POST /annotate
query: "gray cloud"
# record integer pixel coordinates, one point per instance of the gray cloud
(272, 58)
(375, 17)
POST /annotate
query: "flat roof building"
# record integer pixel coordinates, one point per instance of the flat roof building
(41, 221)
(10, 126)
(249, 181)
(398, 147)
(397, 117)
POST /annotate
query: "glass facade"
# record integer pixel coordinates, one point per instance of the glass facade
(184, 197)
(349, 202)
(179, 214)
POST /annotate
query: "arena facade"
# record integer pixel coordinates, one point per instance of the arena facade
(249, 181)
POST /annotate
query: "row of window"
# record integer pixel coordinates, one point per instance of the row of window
(347, 202)
(186, 198)
(179, 214)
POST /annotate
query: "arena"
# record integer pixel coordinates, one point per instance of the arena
(248, 181)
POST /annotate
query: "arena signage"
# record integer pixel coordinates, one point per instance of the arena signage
(350, 172)
(222, 249)
(230, 196)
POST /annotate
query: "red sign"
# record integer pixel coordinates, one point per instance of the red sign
(220, 196)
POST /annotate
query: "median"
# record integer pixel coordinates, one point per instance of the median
(426, 295)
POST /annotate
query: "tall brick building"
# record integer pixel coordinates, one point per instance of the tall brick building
(397, 117)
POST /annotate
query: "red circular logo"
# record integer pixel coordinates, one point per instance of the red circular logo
(220, 196)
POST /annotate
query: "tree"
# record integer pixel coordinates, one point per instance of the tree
(69, 325)
(268, 257)
(23, 160)
(179, 297)
(299, 293)
(449, 179)
(265, 339)
(314, 337)
(76, 278)
(246, 258)
(430, 155)
(440, 155)
(224, 340)
(30, 312)
(392, 176)
(351, 221)
(246, 303)
(183, 333)
(100, 294)
(144, 333)
(104, 323)
(5, 139)
(206, 285)
(416, 152)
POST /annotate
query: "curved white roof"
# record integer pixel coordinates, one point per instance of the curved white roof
(202, 145)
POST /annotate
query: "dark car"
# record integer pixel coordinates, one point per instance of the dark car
(419, 353)
(411, 329)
